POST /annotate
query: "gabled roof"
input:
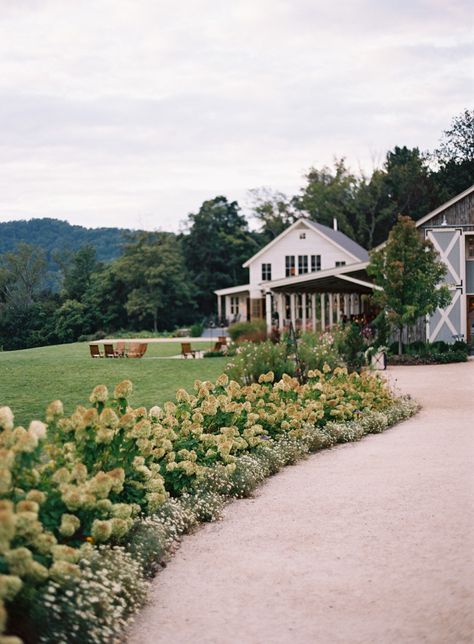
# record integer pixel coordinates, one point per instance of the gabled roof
(342, 240)
(335, 236)
(444, 206)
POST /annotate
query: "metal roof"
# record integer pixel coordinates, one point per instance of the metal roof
(341, 239)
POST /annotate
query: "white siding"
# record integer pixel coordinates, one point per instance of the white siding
(291, 244)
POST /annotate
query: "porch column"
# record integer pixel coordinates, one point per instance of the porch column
(313, 312)
(323, 312)
(219, 307)
(338, 305)
(293, 310)
(281, 310)
(331, 310)
(268, 312)
(346, 305)
(303, 305)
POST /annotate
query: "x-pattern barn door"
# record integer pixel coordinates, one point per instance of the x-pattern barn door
(447, 323)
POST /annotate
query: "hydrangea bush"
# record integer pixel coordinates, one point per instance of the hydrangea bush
(92, 503)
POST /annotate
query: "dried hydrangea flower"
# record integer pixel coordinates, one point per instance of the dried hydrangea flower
(123, 389)
(99, 394)
(6, 418)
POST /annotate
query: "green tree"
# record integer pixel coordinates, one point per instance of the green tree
(22, 276)
(157, 284)
(71, 321)
(409, 271)
(409, 183)
(374, 211)
(78, 269)
(273, 211)
(329, 194)
(455, 156)
(216, 246)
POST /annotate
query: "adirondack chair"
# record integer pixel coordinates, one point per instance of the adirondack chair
(186, 350)
(143, 348)
(95, 351)
(134, 350)
(109, 351)
(120, 350)
(221, 343)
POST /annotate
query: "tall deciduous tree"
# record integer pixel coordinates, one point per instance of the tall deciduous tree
(158, 286)
(273, 211)
(22, 275)
(455, 156)
(409, 271)
(329, 194)
(216, 246)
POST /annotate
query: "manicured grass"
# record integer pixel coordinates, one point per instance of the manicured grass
(32, 378)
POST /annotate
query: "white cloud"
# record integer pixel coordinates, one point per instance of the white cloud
(132, 112)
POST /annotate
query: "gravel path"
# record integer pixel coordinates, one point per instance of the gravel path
(370, 542)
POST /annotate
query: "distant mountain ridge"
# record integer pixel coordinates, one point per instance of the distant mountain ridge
(55, 235)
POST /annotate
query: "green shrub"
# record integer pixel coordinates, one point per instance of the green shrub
(253, 360)
(255, 331)
(106, 472)
(196, 329)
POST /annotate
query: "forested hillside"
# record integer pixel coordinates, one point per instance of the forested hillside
(55, 236)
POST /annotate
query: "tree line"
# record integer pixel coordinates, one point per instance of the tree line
(163, 280)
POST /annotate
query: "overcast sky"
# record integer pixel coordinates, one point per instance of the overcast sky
(132, 112)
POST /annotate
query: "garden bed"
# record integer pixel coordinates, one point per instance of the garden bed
(94, 502)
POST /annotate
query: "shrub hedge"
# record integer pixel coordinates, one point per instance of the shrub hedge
(91, 503)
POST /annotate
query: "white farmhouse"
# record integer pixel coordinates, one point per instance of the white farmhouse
(312, 276)
(304, 247)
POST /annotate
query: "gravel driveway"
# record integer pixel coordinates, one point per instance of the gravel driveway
(370, 542)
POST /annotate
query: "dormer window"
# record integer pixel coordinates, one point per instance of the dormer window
(302, 235)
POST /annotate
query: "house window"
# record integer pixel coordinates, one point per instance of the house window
(302, 235)
(470, 247)
(315, 263)
(302, 264)
(266, 272)
(299, 307)
(339, 264)
(290, 265)
(234, 305)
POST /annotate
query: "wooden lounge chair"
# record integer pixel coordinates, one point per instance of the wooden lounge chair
(109, 351)
(120, 351)
(142, 349)
(186, 350)
(222, 339)
(95, 351)
(134, 350)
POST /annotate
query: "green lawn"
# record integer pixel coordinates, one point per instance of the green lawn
(32, 378)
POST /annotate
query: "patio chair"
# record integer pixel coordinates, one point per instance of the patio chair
(95, 351)
(120, 351)
(142, 349)
(109, 351)
(186, 350)
(222, 339)
(134, 350)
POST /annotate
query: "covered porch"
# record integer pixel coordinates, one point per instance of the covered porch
(233, 304)
(318, 301)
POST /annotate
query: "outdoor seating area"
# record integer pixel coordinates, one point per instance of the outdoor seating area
(119, 350)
